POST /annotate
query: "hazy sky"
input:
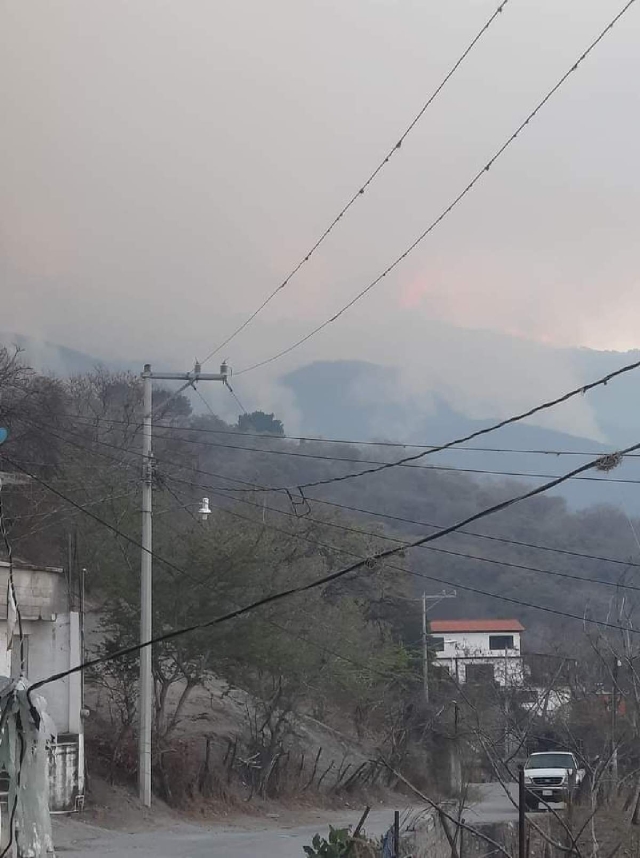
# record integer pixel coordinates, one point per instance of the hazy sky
(164, 163)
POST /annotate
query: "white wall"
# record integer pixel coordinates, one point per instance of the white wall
(40, 593)
(470, 648)
(53, 646)
(474, 643)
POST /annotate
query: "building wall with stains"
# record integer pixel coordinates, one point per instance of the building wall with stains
(51, 644)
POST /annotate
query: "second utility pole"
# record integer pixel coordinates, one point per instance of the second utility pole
(425, 636)
(146, 570)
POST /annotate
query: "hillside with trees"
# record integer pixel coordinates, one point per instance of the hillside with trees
(348, 654)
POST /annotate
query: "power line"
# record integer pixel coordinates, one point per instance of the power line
(364, 561)
(475, 534)
(380, 555)
(509, 420)
(368, 562)
(206, 430)
(485, 559)
(447, 210)
(233, 393)
(417, 574)
(64, 512)
(452, 468)
(250, 486)
(404, 543)
(31, 516)
(362, 188)
(314, 644)
(463, 531)
(404, 463)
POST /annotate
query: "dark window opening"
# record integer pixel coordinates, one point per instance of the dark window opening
(479, 673)
(436, 644)
(500, 641)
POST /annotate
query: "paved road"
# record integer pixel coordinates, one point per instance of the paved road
(492, 804)
(191, 841)
(195, 841)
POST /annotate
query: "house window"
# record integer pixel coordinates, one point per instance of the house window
(437, 644)
(480, 673)
(501, 642)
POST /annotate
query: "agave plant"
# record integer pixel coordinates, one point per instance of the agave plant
(340, 844)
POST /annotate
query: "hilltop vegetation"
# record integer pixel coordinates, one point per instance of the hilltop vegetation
(83, 434)
(350, 652)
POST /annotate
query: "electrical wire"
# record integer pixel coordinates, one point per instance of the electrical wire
(404, 463)
(508, 421)
(405, 543)
(340, 550)
(368, 562)
(251, 486)
(363, 187)
(56, 522)
(31, 516)
(314, 644)
(233, 393)
(300, 589)
(446, 468)
(463, 531)
(532, 545)
(358, 443)
(469, 187)
(401, 463)
(520, 566)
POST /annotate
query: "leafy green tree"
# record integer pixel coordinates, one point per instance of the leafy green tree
(303, 654)
(259, 421)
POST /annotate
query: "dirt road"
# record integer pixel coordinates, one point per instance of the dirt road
(195, 841)
(248, 839)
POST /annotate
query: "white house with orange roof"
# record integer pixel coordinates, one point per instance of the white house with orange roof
(479, 650)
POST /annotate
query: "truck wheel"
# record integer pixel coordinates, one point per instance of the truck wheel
(531, 801)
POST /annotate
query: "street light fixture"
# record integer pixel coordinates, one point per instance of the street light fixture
(205, 511)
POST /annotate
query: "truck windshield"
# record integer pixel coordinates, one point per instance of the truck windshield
(550, 761)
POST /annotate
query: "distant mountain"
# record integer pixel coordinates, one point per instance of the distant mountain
(355, 400)
(617, 405)
(436, 398)
(358, 399)
(58, 360)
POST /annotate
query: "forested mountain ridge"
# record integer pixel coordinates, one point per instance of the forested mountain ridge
(84, 433)
(369, 401)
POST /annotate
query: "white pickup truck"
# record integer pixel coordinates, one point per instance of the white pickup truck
(549, 775)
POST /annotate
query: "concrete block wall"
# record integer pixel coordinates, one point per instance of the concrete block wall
(39, 593)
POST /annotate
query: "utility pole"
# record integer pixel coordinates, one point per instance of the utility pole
(425, 637)
(146, 568)
(506, 710)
